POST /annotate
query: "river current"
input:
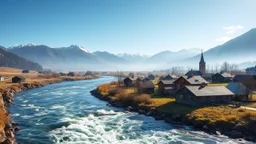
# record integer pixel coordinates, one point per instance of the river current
(67, 113)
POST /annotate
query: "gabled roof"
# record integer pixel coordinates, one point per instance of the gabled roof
(195, 73)
(171, 76)
(132, 79)
(226, 75)
(20, 77)
(242, 77)
(201, 91)
(147, 84)
(238, 88)
(167, 81)
(193, 79)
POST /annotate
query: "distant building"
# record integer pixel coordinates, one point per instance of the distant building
(147, 87)
(170, 77)
(25, 71)
(251, 71)
(62, 74)
(1, 78)
(248, 80)
(18, 79)
(151, 76)
(88, 73)
(202, 67)
(189, 81)
(240, 91)
(166, 87)
(71, 74)
(129, 81)
(194, 73)
(203, 95)
(221, 78)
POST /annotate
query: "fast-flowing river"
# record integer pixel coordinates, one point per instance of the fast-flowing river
(67, 113)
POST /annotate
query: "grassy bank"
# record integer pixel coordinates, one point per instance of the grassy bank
(234, 122)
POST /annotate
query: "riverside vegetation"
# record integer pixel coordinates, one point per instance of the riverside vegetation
(220, 120)
(9, 89)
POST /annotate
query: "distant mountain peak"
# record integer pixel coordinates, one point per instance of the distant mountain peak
(80, 47)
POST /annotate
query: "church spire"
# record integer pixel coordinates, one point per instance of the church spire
(202, 57)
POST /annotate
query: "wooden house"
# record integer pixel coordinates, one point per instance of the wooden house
(189, 81)
(18, 79)
(25, 71)
(129, 81)
(221, 78)
(248, 80)
(151, 76)
(203, 95)
(71, 74)
(62, 74)
(147, 87)
(169, 77)
(1, 78)
(166, 87)
(241, 92)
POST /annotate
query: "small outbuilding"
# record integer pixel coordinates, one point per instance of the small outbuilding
(189, 81)
(18, 79)
(221, 78)
(194, 73)
(204, 95)
(240, 91)
(151, 76)
(147, 87)
(25, 71)
(71, 74)
(129, 81)
(166, 87)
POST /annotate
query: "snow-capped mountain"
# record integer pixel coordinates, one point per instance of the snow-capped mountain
(138, 58)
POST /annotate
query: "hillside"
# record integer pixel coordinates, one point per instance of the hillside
(73, 57)
(237, 50)
(109, 58)
(8, 59)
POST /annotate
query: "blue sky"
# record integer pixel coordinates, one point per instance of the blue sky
(118, 26)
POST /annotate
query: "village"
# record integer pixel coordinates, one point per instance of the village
(199, 88)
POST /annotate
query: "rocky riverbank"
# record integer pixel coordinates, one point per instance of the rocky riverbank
(8, 128)
(237, 132)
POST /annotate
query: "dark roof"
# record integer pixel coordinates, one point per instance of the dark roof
(171, 76)
(132, 79)
(147, 84)
(241, 77)
(201, 91)
(194, 79)
(166, 81)
(140, 78)
(20, 77)
(251, 69)
(196, 73)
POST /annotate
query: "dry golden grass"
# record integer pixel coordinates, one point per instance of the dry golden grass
(218, 84)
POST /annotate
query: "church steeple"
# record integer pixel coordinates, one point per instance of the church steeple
(202, 64)
(202, 57)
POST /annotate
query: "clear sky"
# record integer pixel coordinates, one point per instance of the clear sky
(132, 26)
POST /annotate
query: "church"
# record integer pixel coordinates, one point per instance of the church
(202, 68)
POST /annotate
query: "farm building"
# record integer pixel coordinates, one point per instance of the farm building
(147, 87)
(25, 71)
(18, 79)
(1, 78)
(193, 73)
(151, 77)
(71, 74)
(189, 80)
(221, 78)
(166, 87)
(240, 91)
(203, 95)
(248, 80)
(129, 81)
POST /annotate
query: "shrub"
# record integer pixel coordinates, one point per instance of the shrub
(104, 88)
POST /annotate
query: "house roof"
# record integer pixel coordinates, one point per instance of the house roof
(147, 84)
(226, 75)
(20, 77)
(237, 88)
(195, 73)
(201, 91)
(194, 79)
(166, 81)
(242, 77)
(172, 76)
(132, 79)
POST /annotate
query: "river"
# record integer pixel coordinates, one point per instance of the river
(67, 113)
